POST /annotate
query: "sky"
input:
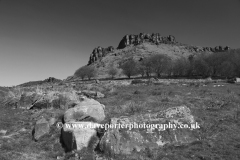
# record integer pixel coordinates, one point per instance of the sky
(53, 38)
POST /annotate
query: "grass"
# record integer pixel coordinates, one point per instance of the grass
(217, 109)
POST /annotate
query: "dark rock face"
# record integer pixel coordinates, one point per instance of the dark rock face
(143, 37)
(98, 53)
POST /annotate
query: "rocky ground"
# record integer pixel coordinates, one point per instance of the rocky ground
(29, 118)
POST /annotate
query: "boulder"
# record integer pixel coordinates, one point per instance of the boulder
(97, 81)
(3, 132)
(125, 140)
(52, 121)
(151, 80)
(41, 104)
(171, 38)
(41, 128)
(147, 36)
(79, 137)
(138, 81)
(110, 48)
(88, 93)
(99, 95)
(28, 99)
(88, 109)
(227, 48)
(55, 99)
(237, 80)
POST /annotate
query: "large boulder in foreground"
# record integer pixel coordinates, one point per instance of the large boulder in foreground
(41, 128)
(86, 110)
(118, 140)
(79, 135)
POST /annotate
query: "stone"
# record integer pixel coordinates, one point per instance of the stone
(227, 48)
(88, 93)
(147, 36)
(22, 130)
(28, 98)
(41, 128)
(52, 121)
(171, 38)
(88, 109)
(97, 81)
(93, 94)
(52, 80)
(99, 95)
(151, 80)
(138, 81)
(41, 104)
(126, 141)
(80, 137)
(238, 80)
(110, 48)
(3, 132)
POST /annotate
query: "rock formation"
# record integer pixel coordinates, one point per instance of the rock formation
(98, 53)
(155, 38)
(208, 49)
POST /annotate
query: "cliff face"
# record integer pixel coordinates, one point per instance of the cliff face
(98, 53)
(153, 39)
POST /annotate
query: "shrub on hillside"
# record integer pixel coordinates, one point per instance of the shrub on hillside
(160, 64)
(141, 69)
(129, 68)
(224, 64)
(86, 71)
(181, 67)
(201, 67)
(113, 71)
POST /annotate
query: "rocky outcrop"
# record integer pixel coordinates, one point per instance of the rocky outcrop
(155, 38)
(207, 49)
(52, 80)
(98, 53)
(123, 140)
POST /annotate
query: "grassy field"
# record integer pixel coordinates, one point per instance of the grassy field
(216, 108)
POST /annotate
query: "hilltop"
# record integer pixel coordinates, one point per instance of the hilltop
(139, 47)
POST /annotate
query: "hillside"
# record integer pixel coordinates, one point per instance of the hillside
(140, 52)
(41, 82)
(142, 46)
